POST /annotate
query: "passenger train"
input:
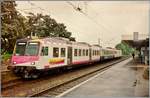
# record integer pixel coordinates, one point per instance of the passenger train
(33, 56)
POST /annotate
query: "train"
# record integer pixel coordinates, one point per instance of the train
(31, 56)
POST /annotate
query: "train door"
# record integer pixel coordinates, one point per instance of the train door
(90, 55)
(69, 56)
(44, 56)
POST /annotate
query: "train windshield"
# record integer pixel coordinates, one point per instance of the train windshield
(20, 48)
(27, 49)
(32, 49)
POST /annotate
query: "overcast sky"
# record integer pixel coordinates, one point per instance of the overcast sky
(106, 20)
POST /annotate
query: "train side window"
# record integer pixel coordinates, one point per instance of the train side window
(55, 52)
(63, 51)
(79, 52)
(44, 51)
(75, 52)
(93, 52)
(83, 52)
(98, 52)
(86, 52)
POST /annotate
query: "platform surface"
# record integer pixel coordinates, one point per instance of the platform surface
(123, 79)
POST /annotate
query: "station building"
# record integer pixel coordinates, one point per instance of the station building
(141, 43)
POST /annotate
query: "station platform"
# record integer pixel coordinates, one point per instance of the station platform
(123, 79)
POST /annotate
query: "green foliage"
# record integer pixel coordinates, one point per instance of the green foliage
(126, 49)
(16, 26)
(44, 25)
(6, 56)
(13, 25)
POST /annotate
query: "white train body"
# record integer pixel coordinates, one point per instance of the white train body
(48, 53)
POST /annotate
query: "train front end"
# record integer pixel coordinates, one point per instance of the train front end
(25, 58)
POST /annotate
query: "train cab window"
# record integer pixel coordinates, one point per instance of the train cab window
(79, 52)
(20, 48)
(55, 52)
(75, 52)
(83, 52)
(87, 52)
(63, 52)
(44, 51)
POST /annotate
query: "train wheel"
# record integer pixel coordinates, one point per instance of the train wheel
(35, 75)
(26, 74)
(16, 70)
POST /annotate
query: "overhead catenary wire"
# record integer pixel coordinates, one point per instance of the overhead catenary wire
(114, 37)
(91, 18)
(80, 10)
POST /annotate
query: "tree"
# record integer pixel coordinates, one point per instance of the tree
(16, 26)
(44, 25)
(12, 25)
(126, 49)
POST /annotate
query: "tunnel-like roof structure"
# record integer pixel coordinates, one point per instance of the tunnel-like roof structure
(140, 42)
(136, 40)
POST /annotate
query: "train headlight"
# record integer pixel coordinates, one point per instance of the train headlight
(14, 62)
(33, 63)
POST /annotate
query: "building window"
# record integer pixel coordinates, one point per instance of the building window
(75, 52)
(63, 52)
(44, 51)
(79, 52)
(87, 52)
(55, 52)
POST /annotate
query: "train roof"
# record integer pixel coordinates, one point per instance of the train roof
(57, 39)
(64, 41)
(97, 45)
(24, 39)
(111, 49)
(48, 39)
(81, 44)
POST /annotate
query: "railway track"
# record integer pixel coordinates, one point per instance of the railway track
(9, 79)
(11, 83)
(55, 84)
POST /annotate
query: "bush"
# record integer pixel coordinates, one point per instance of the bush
(6, 57)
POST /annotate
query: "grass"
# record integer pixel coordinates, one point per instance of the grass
(6, 57)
